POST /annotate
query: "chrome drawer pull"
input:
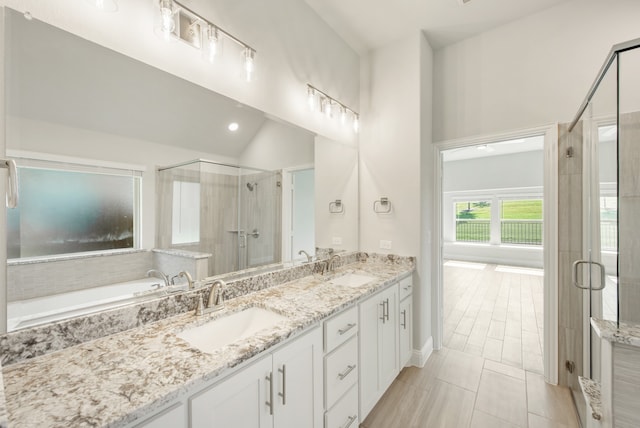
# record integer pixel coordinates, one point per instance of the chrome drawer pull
(346, 329)
(283, 394)
(382, 318)
(350, 421)
(404, 319)
(346, 372)
(270, 402)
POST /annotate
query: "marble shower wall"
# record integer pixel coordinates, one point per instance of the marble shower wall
(629, 217)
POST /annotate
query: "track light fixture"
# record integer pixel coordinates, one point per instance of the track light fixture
(328, 105)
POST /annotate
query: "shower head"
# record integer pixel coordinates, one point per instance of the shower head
(250, 186)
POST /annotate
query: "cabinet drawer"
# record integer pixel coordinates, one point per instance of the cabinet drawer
(345, 413)
(406, 287)
(340, 328)
(341, 371)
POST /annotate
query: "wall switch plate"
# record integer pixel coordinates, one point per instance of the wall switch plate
(385, 245)
(336, 240)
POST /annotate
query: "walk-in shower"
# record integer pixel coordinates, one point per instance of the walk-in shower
(600, 237)
(214, 208)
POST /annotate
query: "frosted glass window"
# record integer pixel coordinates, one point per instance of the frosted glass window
(185, 213)
(63, 212)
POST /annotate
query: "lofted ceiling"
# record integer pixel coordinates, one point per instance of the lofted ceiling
(370, 24)
(56, 77)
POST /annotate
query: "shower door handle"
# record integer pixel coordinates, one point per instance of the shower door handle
(574, 275)
(12, 191)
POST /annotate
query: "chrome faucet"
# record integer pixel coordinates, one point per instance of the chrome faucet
(309, 258)
(216, 298)
(153, 273)
(332, 260)
(183, 274)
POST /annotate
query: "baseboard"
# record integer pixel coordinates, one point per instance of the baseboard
(419, 356)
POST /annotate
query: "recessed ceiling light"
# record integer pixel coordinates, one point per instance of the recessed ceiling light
(233, 126)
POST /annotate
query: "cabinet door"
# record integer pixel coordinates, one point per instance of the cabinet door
(238, 402)
(369, 318)
(405, 325)
(388, 344)
(297, 373)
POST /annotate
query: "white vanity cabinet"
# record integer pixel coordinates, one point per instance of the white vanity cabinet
(379, 362)
(341, 370)
(281, 390)
(405, 320)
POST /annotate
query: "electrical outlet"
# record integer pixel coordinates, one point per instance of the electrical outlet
(337, 240)
(385, 245)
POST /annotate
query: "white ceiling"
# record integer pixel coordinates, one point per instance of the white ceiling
(369, 24)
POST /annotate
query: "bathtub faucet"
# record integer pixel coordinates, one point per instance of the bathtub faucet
(183, 274)
(153, 273)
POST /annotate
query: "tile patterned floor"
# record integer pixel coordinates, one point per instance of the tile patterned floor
(489, 374)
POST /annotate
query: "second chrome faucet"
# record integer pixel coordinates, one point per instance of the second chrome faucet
(215, 302)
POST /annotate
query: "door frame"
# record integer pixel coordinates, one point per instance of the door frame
(287, 205)
(550, 235)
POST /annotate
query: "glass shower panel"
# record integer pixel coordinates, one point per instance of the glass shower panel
(629, 186)
(596, 268)
(260, 214)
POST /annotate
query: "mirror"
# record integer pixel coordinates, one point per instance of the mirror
(126, 168)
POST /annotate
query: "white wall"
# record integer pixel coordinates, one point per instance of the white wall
(294, 47)
(396, 120)
(494, 172)
(278, 146)
(336, 177)
(530, 72)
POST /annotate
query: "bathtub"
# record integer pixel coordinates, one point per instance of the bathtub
(41, 310)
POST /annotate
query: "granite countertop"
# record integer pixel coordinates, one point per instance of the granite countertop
(627, 334)
(129, 376)
(3, 406)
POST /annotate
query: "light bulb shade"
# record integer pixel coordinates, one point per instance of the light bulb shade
(327, 108)
(311, 98)
(105, 5)
(249, 63)
(211, 43)
(356, 124)
(166, 20)
(343, 115)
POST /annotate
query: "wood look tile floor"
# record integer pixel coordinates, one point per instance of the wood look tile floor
(489, 372)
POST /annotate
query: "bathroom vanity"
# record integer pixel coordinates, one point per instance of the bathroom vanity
(310, 364)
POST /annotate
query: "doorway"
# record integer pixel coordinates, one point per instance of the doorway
(497, 281)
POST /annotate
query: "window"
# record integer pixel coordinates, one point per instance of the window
(185, 216)
(69, 211)
(521, 222)
(473, 221)
(609, 223)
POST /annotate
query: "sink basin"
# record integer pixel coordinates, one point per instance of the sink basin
(353, 280)
(225, 330)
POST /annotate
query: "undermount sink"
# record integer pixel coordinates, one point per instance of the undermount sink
(227, 329)
(353, 280)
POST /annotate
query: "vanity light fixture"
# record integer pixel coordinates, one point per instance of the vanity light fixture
(249, 62)
(105, 5)
(178, 22)
(327, 105)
